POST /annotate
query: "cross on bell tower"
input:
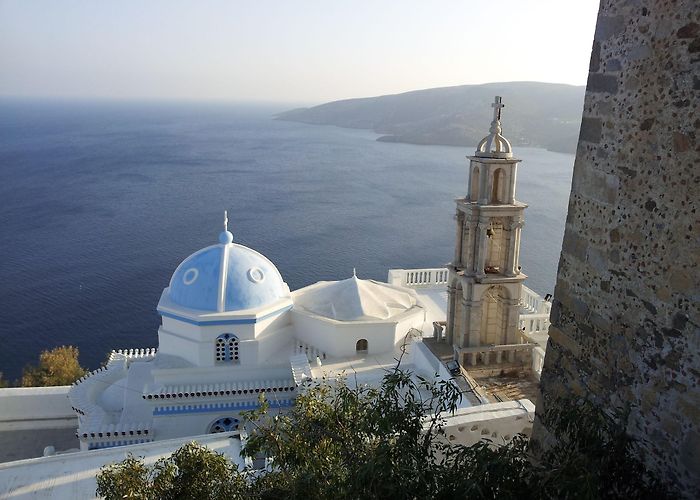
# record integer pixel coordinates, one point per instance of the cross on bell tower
(485, 281)
(497, 107)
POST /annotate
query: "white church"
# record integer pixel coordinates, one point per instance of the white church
(232, 330)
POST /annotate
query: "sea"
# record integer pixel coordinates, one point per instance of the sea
(101, 200)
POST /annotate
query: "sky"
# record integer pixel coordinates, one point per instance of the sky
(302, 51)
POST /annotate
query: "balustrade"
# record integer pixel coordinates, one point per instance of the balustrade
(537, 361)
(417, 278)
(485, 354)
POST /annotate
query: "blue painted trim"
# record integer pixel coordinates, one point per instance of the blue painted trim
(217, 407)
(223, 321)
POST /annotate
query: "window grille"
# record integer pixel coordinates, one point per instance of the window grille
(226, 348)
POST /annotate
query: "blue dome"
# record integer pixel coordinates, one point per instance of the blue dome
(249, 279)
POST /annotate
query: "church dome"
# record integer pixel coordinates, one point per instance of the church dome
(354, 299)
(226, 277)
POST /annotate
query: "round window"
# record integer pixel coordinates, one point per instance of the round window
(256, 275)
(190, 276)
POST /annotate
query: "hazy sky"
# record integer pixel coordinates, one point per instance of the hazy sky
(286, 50)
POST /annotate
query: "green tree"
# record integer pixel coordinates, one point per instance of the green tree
(192, 472)
(59, 366)
(345, 442)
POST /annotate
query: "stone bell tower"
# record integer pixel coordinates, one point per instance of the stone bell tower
(485, 281)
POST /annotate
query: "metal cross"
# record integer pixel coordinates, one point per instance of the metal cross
(225, 220)
(497, 106)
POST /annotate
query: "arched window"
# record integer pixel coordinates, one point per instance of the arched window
(474, 189)
(497, 195)
(224, 424)
(226, 348)
(361, 346)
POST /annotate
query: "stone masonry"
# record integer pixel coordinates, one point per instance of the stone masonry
(626, 315)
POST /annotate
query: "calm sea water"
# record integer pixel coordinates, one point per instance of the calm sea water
(99, 202)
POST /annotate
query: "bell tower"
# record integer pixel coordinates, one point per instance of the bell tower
(484, 286)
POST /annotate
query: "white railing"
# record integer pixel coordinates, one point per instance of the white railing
(419, 278)
(533, 302)
(534, 323)
(537, 361)
(311, 352)
(136, 354)
(487, 354)
(218, 389)
(301, 369)
(95, 425)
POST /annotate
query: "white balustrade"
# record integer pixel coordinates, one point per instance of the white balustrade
(419, 278)
(537, 361)
(534, 323)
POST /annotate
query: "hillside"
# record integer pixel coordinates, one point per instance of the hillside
(537, 114)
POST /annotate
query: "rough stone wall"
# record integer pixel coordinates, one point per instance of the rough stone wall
(626, 319)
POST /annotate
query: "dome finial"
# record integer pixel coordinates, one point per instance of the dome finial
(226, 236)
(354, 272)
(495, 145)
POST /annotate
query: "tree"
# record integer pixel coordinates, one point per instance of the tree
(58, 366)
(345, 442)
(192, 472)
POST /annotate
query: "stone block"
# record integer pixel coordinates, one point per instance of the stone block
(600, 82)
(591, 130)
(608, 26)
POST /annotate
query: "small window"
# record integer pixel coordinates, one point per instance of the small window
(361, 346)
(224, 424)
(226, 348)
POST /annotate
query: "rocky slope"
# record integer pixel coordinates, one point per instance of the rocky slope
(537, 114)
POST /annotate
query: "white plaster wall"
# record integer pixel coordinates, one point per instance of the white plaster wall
(196, 344)
(315, 332)
(414, 318)
(277, 322)
(272, 342)
(180, 327)
(339, 339)
(221, 374)
(174, 426)
(498, 422)
(187, 348)
(191, 424)
(23, 408)
(425, 362)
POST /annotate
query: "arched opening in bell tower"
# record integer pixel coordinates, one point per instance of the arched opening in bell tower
(494, 316)
(474, 188)
(498, 187)
(496, 247)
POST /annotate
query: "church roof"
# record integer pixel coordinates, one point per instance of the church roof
(354, 299)
(495, 145)
(226, 277)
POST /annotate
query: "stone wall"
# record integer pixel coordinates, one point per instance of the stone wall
(625, 320)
